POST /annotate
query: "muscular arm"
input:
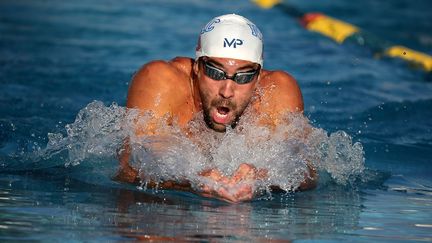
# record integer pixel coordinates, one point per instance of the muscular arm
(157, 87)
(281, 95)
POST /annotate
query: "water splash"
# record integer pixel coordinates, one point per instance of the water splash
(99, 132)
(96, 133)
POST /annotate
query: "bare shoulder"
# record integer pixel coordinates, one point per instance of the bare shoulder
(281, 92)
(159, 83)
(183, 64)
(159, 69)
(282, 80)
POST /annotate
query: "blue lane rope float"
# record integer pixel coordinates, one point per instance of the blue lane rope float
(342, 32)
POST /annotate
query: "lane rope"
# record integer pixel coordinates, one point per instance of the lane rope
(341, 32)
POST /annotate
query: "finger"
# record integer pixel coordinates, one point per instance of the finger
(205, 189)
(212, 173)
(244, 193)
(261, 174)
(210, 192)
(225, 180)
(242, 171)
(245, 197)
(245, 171)
(223, 194)
(245, 166)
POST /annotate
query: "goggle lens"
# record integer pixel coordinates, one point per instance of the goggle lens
(217, 74)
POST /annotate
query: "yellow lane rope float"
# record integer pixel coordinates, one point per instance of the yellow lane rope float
(340, 31)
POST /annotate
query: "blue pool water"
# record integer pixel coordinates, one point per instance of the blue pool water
(57, 57)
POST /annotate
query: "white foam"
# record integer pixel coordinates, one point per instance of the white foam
(99, 131)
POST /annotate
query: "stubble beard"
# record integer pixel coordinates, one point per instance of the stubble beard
(207, 105)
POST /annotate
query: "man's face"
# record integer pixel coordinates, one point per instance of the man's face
(223, 101)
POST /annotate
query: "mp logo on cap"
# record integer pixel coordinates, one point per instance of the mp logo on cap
(232, 43)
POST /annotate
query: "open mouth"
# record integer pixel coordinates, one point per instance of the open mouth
(221, 115)
(223, 110)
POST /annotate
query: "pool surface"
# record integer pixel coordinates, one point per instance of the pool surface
(65, 67)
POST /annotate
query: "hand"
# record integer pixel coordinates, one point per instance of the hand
(127, 174)
(239, 187)
(310, 180)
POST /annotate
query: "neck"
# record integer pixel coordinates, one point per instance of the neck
(195, 94)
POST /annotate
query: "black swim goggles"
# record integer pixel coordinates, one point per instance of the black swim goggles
(217, 74)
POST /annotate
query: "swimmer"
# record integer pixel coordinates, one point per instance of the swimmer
(221, 82)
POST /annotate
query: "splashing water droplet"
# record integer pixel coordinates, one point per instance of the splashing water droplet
(99, 132)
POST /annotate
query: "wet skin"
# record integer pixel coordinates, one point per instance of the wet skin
(223, 101)
(180, 89)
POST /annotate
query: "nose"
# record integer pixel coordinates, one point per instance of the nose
(226, 89)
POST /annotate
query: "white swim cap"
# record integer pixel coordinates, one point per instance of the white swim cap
(231, 36)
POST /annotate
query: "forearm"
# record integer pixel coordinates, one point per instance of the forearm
(310, 179)
(125, 173)
(310, 182)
